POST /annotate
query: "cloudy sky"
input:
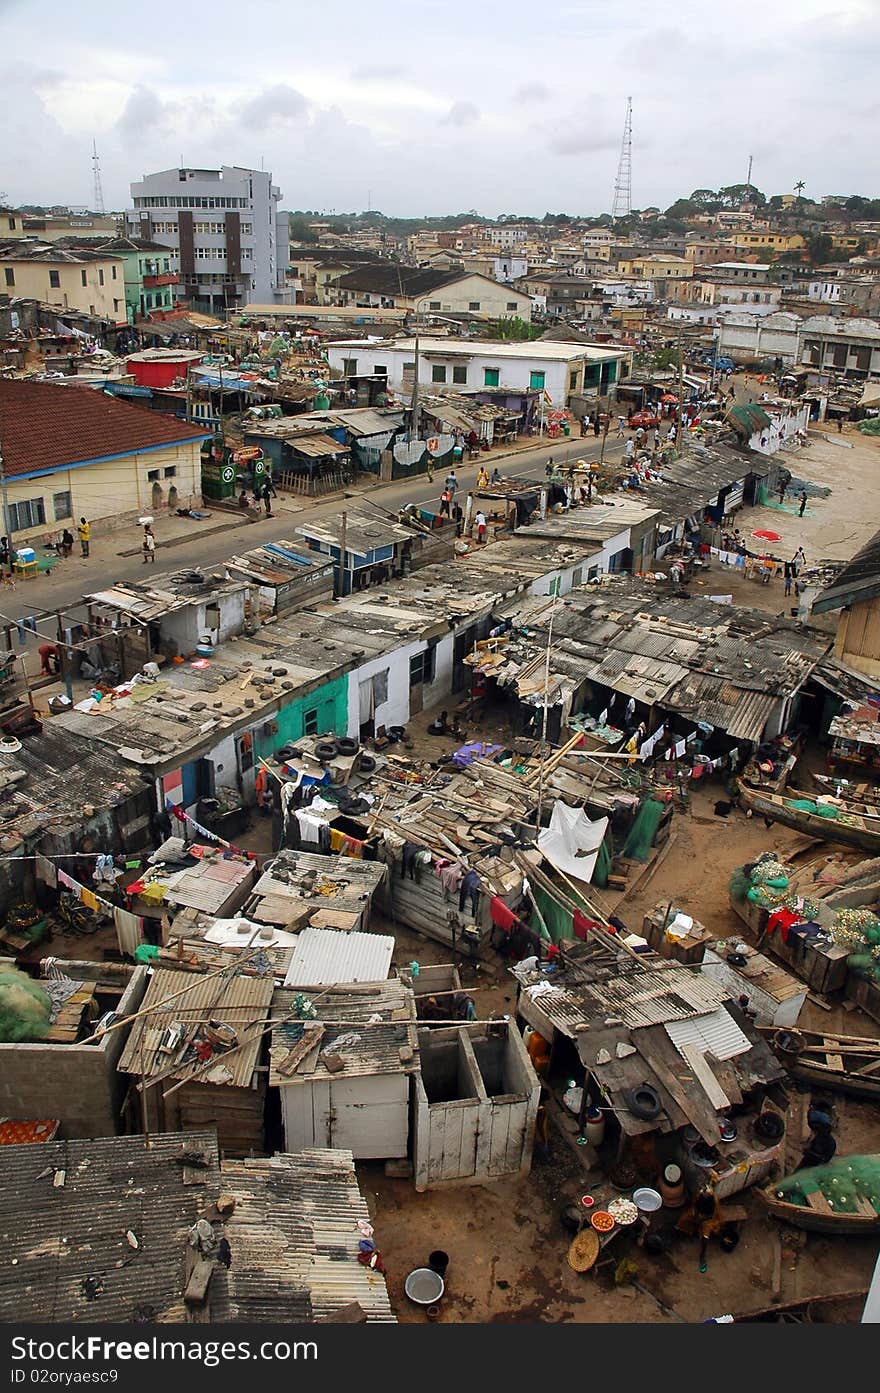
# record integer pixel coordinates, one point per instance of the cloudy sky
(431, 106)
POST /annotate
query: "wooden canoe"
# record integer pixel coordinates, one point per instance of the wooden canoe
(850, 829)
(842, 1063)
(817, 1216)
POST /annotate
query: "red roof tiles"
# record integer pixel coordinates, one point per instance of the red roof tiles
(44, 426)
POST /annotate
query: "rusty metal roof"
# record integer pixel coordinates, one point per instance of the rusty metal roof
(294, 1241)
(59, 1237)
(387, 1046)
(651, 996)
(239, 1001)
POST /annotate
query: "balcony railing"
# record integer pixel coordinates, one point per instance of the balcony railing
(166, 278)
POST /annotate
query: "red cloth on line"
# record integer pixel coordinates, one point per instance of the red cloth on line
(501, 916)
(581, 925)
(783, 919)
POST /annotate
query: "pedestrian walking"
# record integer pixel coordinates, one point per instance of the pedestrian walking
(782, 487)
(480, 524)
(548, 468)
(839, 425)
(148, 546)
(803, 503)
(269, 492)
(621, 426)
(85, 536)
(451, 482)
(798, 560)
(445, 504)
(585, 425)
(656, 438)
(788, 577)
(596, 424)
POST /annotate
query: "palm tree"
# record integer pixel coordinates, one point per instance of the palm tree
(799, 188)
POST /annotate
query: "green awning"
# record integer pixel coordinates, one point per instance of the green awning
(747, 419)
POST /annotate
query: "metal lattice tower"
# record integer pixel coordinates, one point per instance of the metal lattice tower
(98, 194)
(622, 206)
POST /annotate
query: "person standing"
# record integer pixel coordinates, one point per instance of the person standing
(803, 503)
(482, 477)
(548, 468)
(480, 524)
(451, 483)
(445, 503)
(585, 425)
(782, 488)
(85, 536)
(621, 427)
(788, 577)
(148, 546)
(597, 426)
(798, 560)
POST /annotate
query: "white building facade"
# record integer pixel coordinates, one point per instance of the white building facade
(564, 371)
(229, 242)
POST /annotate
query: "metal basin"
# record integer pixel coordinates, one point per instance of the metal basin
(424, 1287)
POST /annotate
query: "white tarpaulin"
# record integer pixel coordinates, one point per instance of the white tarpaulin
(571, 842)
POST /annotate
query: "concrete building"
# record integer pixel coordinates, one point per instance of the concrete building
(230, 242)
(70, 452)
(847, 346)
(568, 373)
(746, 336)
(92, 282)
(854, 596)
(50, 227)
(388, 285)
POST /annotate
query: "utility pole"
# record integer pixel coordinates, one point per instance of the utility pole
(544, 721)
(416, 409)
(6, 513)
(679, 422)
(188, 392)
(343, 534)
(221, 399)
(605, 436)
(622, 204)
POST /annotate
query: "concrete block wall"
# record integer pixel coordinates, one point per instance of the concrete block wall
(78, 1084)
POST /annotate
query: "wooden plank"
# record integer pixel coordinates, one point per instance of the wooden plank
(835, 1061)
(711, 1087)
(196, 1291)
(865, 1207)
(450, 1165)
(816, 1200)
(696, 1109)
(311, 1037)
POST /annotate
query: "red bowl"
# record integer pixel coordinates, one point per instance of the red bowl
(587, 1201)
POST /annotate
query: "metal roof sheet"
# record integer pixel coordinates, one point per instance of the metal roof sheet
(318, 445)
(377, 1051)
(651, 996)
(245, 1000)
(325, 956)
(717, 1033)
(59, 1237)
(294, 1238)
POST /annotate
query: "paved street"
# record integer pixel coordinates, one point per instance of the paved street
(73, 578)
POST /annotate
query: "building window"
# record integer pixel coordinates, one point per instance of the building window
(61, 506)
(12, 224)
(115, 306)
(434, 304)
(170, 472)
(380, 370)
(55, 280)
(152, 476)
(349, 367)
(310, 721)
(511, 304)
(29, 513)
(490, 377)
(100, 276)
(113, 271)
(459, 374)
(573, 381)
(421, 667)
(473, 304)
(10, 275)
(82, 276)
(536, 381)
(438, 373)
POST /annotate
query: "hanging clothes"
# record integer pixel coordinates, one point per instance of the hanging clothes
(46, 872)
(411, 863)
(451, 877)
(501, 915)
(128, 931)
(470, 889)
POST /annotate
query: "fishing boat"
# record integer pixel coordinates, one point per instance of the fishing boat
(861, 797)
(849, 828)
(842, 1063)
(799, 1201)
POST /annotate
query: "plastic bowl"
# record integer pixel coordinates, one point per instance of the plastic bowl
(587, 1201)
(424, 1287)
(648, 1201)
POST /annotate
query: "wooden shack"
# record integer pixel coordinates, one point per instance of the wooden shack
(182, 1085)
(773, 993)
(476, 1100)
(354, 1094)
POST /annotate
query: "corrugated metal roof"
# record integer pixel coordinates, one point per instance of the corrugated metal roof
(59, 1237)
(245, 1000)
(717, 1033)
(642, 998)
(318, 445)
(750, 715)
(325, 956)
(378, 1051)
(294, 1240)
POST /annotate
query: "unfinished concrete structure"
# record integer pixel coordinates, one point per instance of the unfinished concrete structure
(75, 1082)
(476, 1100)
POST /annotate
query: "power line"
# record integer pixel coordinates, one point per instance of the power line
(622, 205)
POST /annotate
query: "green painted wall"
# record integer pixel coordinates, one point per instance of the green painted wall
(331, 703)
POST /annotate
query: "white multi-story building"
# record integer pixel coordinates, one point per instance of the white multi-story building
(230, 243)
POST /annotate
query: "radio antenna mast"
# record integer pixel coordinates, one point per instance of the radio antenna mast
(98, 193)
(622, 206)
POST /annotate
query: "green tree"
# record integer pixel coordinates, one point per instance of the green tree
(819, 248)
(514, 330)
